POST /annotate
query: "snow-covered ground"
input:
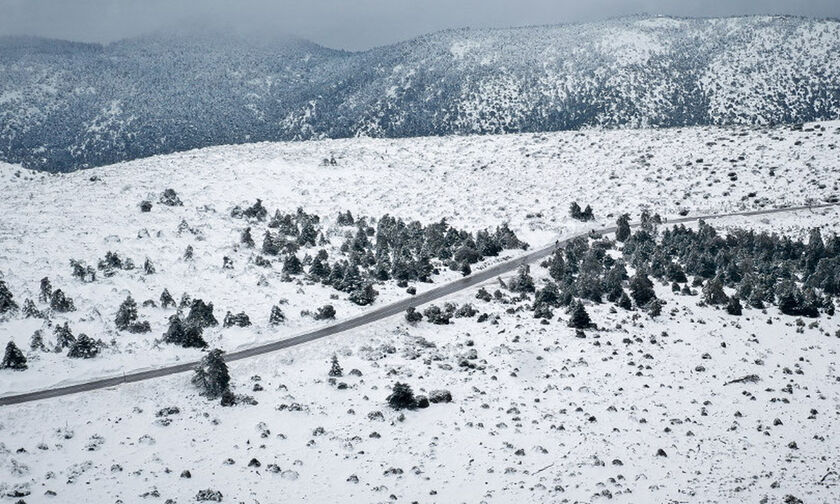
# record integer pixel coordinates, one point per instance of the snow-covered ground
(573, 406)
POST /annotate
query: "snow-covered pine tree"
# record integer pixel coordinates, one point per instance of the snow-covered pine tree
(212, 376)
(84, 347)
(335, 367)
(580, 318)
(401, 397)
(13, 358)
(7, 302)
(277, 316)
(166, 300)
(45, 290)
(126, 314)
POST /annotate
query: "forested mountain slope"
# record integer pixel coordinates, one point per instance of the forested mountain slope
(66, 105)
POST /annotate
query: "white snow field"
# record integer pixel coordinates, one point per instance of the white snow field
(540, 415)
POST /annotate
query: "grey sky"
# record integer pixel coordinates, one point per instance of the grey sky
(352, 24)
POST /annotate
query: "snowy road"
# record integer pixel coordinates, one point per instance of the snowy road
(374, 315)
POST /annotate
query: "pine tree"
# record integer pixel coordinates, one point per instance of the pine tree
(522, 282)
(212, 376)
(60, 303)
(36, 342)
(543, 311)
(292, 265)
(201, 314)
(45, 290)
(614, 294)
(757, 299)
(277, 316)
(364, 296)
(14, 358)
(713, 293)
(256, 211)
(126, 314)
(30, 310)
(175, 332)
(623, 231)
(84, 347)
(423, 268)
(580, 318)
(148, 267)
(548, 295)
(241, 319)
(166, 300)
(193, 338)
(466, 253)
(335, 368)
(641, 288)
(246, 239)
(7, 302)
(654, 308)
(401, 397)
(624, 301)
(308, 235)
(345, 219)
(733, 307)
(187, 336)
(63, 336)
(574, 210)
(557, 266)
(436, 316)
(82, 272)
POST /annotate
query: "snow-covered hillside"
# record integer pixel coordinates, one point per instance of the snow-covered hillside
(475, 183)
(536, 413)
(65, 105)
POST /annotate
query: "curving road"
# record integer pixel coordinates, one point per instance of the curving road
(368, 317)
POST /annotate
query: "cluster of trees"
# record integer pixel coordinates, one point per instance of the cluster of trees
(82, 347)
(108, 266)
(434, 314)
(392, 250)
(584, 215)
(78, 347)
(800, 277)
(584, 270)
(187, 331)
(127, 318)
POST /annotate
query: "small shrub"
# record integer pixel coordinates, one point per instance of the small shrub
(413, 316)
(401, 397)
(325, 312)
(170, 198)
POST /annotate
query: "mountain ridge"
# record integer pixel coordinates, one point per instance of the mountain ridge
(72, 105)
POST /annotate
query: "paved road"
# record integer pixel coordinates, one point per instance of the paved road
(366, 318)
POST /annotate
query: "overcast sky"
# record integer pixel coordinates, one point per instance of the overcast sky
(351, 24)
